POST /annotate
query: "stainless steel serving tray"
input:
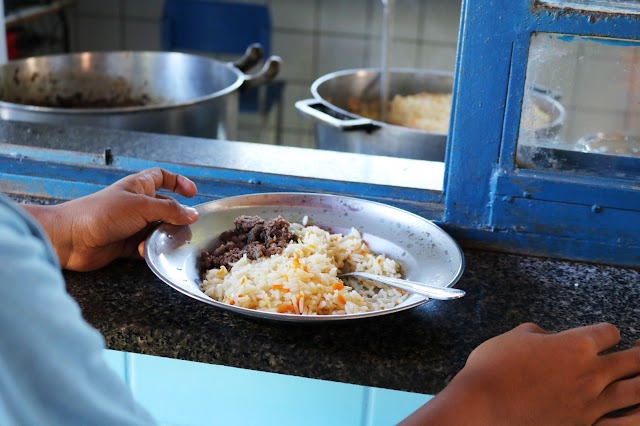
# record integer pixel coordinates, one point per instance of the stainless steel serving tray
(427, 253)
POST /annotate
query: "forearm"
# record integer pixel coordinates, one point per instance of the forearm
(52, 219)
(462, 402)
(44, 334)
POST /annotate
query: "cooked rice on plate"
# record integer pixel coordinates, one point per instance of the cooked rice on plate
(303, 278)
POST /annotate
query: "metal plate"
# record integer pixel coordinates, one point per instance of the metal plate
(426, 253)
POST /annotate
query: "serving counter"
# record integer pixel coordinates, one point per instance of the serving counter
(418, 350)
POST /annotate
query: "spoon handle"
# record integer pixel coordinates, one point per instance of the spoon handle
(431, 291)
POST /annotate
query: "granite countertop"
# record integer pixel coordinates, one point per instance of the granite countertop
(418, 350)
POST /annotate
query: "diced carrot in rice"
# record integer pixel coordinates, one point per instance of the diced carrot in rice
(303, 278)
(285, 309)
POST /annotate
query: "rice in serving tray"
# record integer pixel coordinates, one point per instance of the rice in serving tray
(302, 278)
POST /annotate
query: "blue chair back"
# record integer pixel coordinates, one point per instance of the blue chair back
(215, 27)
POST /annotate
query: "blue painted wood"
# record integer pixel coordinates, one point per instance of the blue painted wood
(573, 221)
(489, 202)
(513, 105)
(539, 245)
(480, 89)
(45, 187)
(579, 22)
(568, 189)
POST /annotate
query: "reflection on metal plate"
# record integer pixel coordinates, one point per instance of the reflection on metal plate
(426, 253)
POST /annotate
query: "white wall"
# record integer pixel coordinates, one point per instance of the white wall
(316, 37)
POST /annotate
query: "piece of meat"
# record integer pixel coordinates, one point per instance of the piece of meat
(246, 223)
(256, 234)
(252, 236)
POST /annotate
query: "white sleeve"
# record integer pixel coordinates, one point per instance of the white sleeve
(52, 369)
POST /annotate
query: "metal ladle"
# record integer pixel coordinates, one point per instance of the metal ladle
(427, 290)
(387, 39)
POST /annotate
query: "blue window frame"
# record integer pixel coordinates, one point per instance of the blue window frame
(487, 200)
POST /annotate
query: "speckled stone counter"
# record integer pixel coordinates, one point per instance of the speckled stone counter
(417, 350)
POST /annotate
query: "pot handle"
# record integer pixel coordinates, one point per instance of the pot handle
(251, 57)
(320, 111)
(555, 94)
(267, 73)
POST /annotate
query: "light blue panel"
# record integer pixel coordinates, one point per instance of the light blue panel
(388, 407)
(116, 361)
(188, 393)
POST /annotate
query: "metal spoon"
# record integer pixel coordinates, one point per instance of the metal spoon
(430, 291)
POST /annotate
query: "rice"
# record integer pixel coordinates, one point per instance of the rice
(431, 112)
(423, 111)
(533, 117)
(303, 278)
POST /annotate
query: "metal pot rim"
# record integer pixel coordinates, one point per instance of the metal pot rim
(241, 77)
(555, 104)
(397, 70)
(557, 121)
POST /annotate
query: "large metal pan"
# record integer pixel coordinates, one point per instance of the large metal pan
(339, 129)
(161, 92)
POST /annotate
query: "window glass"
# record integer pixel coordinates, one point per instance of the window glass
(581, 109)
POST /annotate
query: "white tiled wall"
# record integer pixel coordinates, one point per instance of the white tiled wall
(314, 37)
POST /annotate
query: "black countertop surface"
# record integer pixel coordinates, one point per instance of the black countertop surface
(417, 350)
